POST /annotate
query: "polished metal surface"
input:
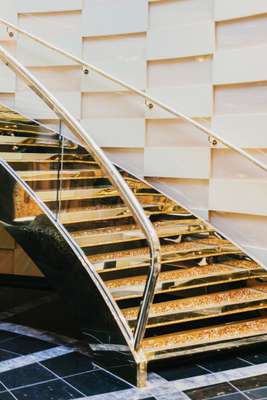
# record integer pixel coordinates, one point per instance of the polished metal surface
(205, 279)
(117, 180)
(97, 234)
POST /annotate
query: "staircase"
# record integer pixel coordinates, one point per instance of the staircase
(62, 207)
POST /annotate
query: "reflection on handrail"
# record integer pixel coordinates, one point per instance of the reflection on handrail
(210, 133)
(115, 177)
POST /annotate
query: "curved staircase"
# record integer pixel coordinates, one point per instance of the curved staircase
(67, 214)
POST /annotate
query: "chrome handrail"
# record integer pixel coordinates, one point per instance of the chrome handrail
(210, 133)
(114, 176)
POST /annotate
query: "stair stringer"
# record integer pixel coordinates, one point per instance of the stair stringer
(64, 264)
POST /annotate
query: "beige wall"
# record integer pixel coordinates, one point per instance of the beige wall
(205, 57)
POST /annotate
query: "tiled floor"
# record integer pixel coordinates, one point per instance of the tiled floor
(37, 365)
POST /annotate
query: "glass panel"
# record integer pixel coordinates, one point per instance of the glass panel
(33, 151)
(62, 266)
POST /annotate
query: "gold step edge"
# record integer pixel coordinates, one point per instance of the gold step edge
(189, 287)
(255, 305)
(103, 269)
(192, 272)
(256, 326)
(217, 346)
(133, 235)
(170, 307)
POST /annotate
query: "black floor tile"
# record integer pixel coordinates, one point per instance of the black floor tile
(2, 388)
(212, 391)
(97, 382)
(6, 396)
(256, 357)
(223, 364)
(54, 390)
(25, 345)
(181, 372)
(27, 375)
(6, 355)
(250, 383)
(4, 335)
(234, 396)
(256, 394)
(69, 364)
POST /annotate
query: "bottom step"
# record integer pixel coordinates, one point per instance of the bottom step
(203, 339)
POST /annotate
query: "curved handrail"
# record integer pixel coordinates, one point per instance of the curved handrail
(115, 177)
(141, 93)
(77, 251)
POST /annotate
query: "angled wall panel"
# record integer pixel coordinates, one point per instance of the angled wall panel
(64, 31)
(181, 41)
(238, 196)
(116, 132)
(125, 16)
(177, 162)
(193, 100)
(33, 6)
(226, 65)
(228, 9)
(173, 13)
(243, 130)
(241, 32)
(119, 55)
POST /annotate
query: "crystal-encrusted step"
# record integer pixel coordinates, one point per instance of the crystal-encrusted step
(170, 253)
(49, 158)
(201, 307)
(105, 213)
(205, 339)
(82, 193)
(126, 233)
(47, 175)
(187, 278)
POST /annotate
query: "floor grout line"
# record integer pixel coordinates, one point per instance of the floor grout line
(160, 389)
(63, 380)
(246, 361)
(32, 358)
(229, 383)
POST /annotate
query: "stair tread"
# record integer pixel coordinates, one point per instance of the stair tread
(33, 141)
(185, 274)
(206, 335)
(84, 193)
(170, 251)
(44, 175)
(77, 193)
(18, 128)
(106, 212)
(198, 303)
(125, 233)
(44, 157)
